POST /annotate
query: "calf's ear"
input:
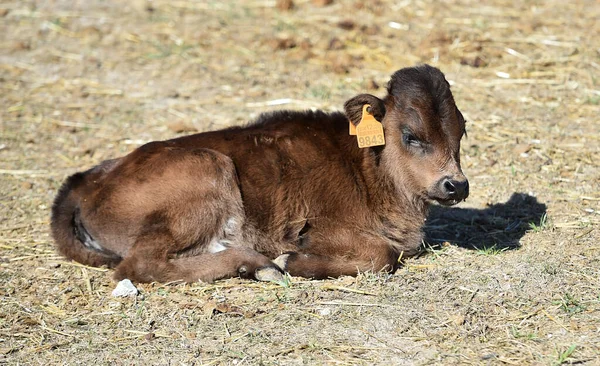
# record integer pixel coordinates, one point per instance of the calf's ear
(354, 107)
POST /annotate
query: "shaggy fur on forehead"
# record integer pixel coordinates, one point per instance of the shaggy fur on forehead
(425, 81)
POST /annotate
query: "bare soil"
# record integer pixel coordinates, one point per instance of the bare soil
(512, 276)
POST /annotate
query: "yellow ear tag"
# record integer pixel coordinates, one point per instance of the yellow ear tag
(369, 131)
(352, 128)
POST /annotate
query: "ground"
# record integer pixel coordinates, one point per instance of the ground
(512, 276)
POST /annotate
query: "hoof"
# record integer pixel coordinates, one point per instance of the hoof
(281, 261)
(270, 274)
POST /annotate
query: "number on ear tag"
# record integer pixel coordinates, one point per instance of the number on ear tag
(369, 131)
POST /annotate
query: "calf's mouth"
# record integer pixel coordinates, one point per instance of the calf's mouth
(449, 192)
(447, 202)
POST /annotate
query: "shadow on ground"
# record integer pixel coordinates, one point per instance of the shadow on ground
(499, 226)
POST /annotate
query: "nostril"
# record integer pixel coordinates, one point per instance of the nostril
(449, 187)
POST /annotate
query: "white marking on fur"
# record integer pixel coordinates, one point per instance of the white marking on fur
(216, 246)
(230, 226)
(92, 244)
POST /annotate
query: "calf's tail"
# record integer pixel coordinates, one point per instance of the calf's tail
(70, 235)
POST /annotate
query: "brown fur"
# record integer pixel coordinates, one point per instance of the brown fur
(292, 185)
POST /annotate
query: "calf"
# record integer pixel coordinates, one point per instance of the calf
(291, 186)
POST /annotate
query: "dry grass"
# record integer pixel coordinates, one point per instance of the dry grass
(510, 277)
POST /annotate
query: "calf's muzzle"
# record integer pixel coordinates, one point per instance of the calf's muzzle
(451, 190)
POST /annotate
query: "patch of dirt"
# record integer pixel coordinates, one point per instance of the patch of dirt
(509, 277)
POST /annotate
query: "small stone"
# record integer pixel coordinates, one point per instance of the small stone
(336, 44)
(347, 24)
(521, 148)
(322, 2)
(372, 84)
(477, 61)
(324, 311)
(282, 43)
(181, 126)
(458, 319)
(285, 5)
(370, 30)
(489, 356)
(124, 289)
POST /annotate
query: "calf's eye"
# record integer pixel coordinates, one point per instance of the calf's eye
(410, 140)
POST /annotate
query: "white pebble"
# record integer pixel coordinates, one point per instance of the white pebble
(125, 288)
(324, 311)
(399, 26)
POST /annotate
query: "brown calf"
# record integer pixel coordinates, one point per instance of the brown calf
(293, 186)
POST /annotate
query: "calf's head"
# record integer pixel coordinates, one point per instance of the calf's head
(423, 128)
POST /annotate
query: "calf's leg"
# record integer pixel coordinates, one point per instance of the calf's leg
(348, 259)
(142, 266)
(190, 222)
